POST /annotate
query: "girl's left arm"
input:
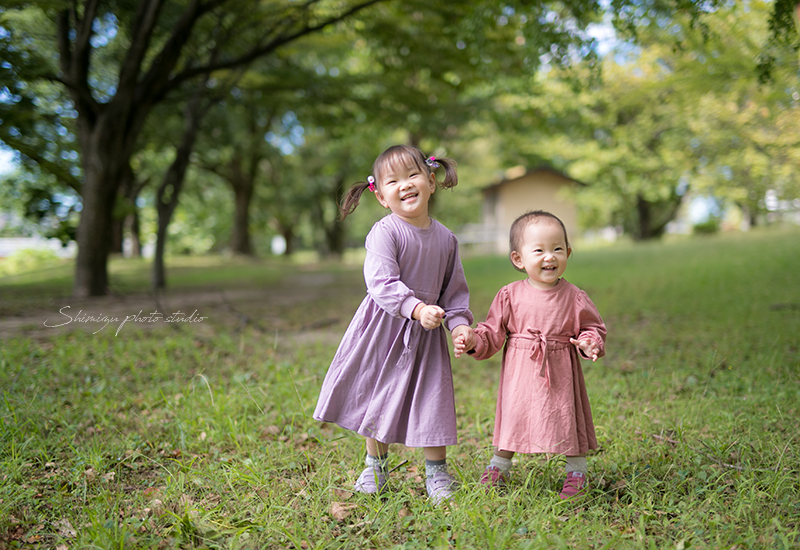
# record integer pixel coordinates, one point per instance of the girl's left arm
(454, 297)
(592, 327)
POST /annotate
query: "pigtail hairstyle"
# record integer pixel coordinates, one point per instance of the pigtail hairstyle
(450, 174)
(407, 155)
(351, 199)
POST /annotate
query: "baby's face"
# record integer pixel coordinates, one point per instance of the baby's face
(544, 253)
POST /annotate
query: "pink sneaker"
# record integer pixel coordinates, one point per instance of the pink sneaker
(493, 477)
(575, 485)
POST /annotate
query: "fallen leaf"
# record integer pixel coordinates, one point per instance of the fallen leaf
(342, 494)
(340, 510)
(65, 528)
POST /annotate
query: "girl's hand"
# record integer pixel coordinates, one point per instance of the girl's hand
(589, 347)
(430, 317)
(463, 340)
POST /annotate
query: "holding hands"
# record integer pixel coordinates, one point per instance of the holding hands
(589, 347)
(463, 340)
(431, 316)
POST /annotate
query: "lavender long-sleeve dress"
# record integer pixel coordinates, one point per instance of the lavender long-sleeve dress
(542, 403)
(390, 378)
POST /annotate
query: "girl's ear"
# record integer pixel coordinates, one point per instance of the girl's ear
(381, 199)
(516, 259)
(569, 251)
(432, 182)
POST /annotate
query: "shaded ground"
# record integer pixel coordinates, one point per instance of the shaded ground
(274, 309)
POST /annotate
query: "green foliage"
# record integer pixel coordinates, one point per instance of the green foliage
(707, 227)
(202, 437)
(678, 110)
(26, 260)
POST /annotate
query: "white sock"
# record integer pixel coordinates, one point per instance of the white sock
(502, 464)
(577, 464)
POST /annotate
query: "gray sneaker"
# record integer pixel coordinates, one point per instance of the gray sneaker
(441, 487)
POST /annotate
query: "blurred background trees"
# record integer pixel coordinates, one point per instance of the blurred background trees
(213, 125)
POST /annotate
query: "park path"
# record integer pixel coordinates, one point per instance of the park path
(204, 310)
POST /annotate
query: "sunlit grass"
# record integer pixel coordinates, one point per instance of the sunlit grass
(177, 438)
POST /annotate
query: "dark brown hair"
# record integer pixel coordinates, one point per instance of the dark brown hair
(403, 155)
(521, 223)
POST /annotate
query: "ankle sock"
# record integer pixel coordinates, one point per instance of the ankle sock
(502, 464)
(577, 464)
(434, 466)
(377, 462)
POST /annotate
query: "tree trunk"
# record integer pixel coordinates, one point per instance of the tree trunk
(94, 229)
(288, 236)
(105, 153)
(240, 241)
(132, 225)
(170, 188)
(652, 217)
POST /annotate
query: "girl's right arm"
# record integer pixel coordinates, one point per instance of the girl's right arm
(382, 276)
(490, 336)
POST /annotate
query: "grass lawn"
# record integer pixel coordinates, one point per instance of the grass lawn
(200, 435)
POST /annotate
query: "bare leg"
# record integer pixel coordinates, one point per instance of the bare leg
(376, 448)
(504, 454)
(435, 453)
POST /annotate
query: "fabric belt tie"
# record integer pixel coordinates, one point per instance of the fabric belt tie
(539, 354)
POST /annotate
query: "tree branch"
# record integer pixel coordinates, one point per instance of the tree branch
(60, 172)
(156, 81)
(83, 49)
(264, 49)
(144, 23)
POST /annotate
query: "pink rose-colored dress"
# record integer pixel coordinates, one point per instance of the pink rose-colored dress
(542, 403)
(391, 378)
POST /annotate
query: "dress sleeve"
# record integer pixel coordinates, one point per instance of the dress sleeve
(491, 334)
(382, 275)
(454, 299)
(590, 322)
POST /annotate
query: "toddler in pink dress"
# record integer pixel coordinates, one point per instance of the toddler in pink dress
(542, 323)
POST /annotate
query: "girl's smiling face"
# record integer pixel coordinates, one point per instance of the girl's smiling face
(543, 253)
(405, 189)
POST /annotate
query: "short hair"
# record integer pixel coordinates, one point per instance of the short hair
(522, 222)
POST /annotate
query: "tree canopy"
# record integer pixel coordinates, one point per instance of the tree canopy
(286, 101)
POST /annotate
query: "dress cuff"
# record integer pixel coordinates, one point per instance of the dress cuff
(456, 321)
(480, 347)
(408, 306)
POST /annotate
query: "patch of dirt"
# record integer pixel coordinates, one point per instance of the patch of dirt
(310, 306)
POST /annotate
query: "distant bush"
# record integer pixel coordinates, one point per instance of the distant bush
(708, 227)
(28, 259)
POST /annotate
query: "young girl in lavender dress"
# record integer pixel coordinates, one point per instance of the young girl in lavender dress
(543, 323)
(390, 380)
